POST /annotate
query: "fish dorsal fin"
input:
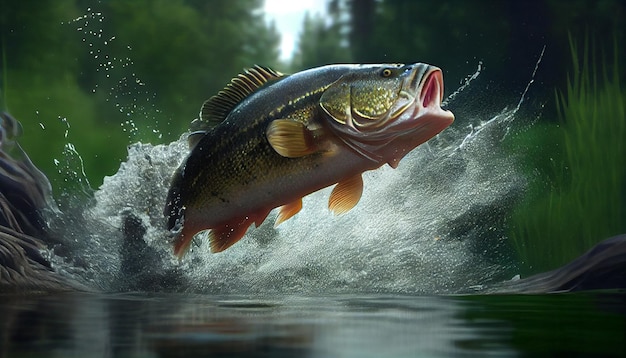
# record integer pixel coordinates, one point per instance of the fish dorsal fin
(216, 109)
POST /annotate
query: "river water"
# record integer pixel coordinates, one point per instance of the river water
(363, 325)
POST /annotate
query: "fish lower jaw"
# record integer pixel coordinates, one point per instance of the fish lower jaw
(426, 126)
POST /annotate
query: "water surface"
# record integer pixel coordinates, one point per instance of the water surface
(173, 325)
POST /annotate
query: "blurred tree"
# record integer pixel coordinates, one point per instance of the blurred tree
(362, 21)
(148, 65)
(28, 42)
(185, 51)
(604, 20)
(322, 40)
(42, 56)
(81, 71)
(449, 33)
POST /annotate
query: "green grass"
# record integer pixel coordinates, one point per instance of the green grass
(3, 96)
(578, 195)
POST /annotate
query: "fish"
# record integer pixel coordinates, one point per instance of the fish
(268, 139)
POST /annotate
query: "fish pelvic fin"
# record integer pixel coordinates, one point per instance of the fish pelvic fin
(290, 139)
(346, 194)
(287, 211)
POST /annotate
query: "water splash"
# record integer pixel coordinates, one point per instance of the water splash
(128, 94)
(71, 168)
(434, 225)
(464, 84)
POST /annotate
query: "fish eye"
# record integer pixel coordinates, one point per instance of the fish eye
(386, 72)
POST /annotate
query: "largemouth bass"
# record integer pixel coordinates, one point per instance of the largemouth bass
(269, 139)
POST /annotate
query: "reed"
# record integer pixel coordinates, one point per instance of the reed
(3, 95)
(579, 198)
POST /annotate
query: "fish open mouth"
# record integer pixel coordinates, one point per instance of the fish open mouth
(432, 94)
(415, 117)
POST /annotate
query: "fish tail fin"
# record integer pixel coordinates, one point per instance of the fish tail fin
(182, 243)
(174, 212)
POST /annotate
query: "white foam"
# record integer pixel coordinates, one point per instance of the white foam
(416, 229)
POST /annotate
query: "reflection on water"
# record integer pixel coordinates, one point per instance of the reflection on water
(306, 326)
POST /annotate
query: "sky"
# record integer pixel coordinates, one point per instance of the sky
(288, 16)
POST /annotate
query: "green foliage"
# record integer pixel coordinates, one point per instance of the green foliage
(63, 114)
(186, 51)
(120, 71)
(579, 198)
(436, 32)
(321, 42)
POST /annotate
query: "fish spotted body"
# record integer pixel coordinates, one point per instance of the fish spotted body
(267, 140)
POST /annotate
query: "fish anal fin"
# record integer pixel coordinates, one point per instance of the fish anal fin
(346, 195)
(290, 139)
(225, 235)
(221, 236)
(287, 211)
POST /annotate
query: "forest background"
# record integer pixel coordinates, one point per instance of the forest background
(103, 74)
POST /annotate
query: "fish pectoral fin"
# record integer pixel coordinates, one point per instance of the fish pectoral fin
(290, 138)
(346, 195)
(224, 236)
(287, 211)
